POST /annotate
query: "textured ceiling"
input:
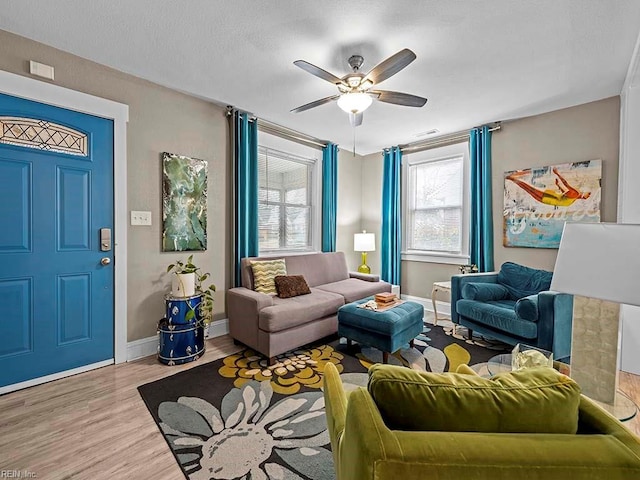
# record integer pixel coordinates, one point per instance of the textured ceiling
(478, 61)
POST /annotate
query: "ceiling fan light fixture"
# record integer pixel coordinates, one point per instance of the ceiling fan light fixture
(354, 102)
(356, 90)
(366, 84)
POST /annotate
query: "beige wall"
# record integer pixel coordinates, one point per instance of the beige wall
(349, 205)
(584, 132)
(372, 204)
(418, 277)
(159, 120)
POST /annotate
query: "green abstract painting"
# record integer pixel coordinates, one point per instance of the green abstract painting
(184, 203)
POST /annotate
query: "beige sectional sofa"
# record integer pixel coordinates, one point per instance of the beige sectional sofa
(273, 325)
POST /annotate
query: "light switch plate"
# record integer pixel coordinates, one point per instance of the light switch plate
(140, 218)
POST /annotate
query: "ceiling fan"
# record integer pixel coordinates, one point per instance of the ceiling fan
(357, 89)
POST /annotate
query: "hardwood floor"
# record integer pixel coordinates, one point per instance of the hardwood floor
(96, 426)
(630, 384)
(93, 425)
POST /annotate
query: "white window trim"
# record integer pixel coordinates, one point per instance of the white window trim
(316, 206)
(437, 154)
(316, 199)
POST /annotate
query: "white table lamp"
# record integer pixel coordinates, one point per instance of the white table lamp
(364, 242)
(599, 263)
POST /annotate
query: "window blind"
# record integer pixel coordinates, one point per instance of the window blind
(436, 206)
(284, 200)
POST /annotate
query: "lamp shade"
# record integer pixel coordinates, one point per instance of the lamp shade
(364, 242)
(354, 102)
(599, 260)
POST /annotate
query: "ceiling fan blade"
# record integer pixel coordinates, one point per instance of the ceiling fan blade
(390, 66)
(398, 98)
(355, 119)
(318, 72)
(317, 103)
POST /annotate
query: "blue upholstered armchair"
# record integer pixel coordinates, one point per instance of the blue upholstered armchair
(514, 305)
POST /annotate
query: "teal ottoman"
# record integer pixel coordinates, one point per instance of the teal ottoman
(386, 331)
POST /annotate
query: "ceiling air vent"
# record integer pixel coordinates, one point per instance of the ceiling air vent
(428, 132)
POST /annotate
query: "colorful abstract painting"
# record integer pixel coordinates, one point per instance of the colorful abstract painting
(184, 203)
(538, 201)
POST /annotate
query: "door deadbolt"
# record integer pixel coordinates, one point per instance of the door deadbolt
(105, 239)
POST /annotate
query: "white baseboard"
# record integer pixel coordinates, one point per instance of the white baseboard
(218, 328)
(142, 348)
(149, 346)
(444, 308)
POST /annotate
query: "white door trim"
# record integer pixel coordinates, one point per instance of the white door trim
(24, 87)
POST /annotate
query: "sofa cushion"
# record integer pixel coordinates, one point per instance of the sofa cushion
(527, 308)
(523, 281)
(317, 268)
(291, 312)
(367, 277)
(499, 315)
(484, 292)
(289, 286)
(353, 289)
(536, 400)
(265, 272)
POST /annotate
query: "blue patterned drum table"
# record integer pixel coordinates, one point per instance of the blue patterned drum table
(181, 332)
(179, 344)
(183, 310)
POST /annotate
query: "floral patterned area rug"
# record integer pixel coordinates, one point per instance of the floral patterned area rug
(238, 418)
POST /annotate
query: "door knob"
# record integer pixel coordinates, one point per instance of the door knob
(105, 261)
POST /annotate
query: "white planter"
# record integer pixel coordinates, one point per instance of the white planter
(183, 285)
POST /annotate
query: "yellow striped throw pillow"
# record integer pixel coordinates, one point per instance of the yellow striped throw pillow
(264, 273)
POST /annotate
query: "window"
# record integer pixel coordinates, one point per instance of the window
(436, 205)
(287, 196)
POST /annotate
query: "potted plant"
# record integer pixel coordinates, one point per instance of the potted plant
(188, 281)
(183, 282)
(469, 268)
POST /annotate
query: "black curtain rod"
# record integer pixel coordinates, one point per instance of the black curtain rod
(443, 140)
(283, 132)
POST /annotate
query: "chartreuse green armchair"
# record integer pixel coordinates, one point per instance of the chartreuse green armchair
(531, 424)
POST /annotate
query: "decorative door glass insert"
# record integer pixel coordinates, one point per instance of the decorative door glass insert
(43, 135)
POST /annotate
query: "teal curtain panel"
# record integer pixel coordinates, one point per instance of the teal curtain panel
(245, 158)
(329, 196)
(391, 216)
(481, 234)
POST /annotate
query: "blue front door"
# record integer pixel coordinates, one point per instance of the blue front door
(56, 193)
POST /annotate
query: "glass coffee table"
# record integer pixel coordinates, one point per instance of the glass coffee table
(499, 363)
